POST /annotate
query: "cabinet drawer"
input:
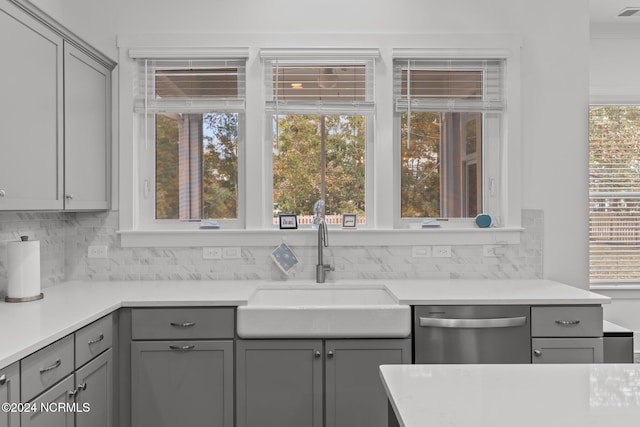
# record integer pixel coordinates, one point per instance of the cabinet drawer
(10, 393)
(567, 350)
(93, 339)
(566, 321)
(46, 367)
(182, 323)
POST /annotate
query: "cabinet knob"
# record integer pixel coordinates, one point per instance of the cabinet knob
(73, 392)
(2, 193)
(317, 354)
(69, 196)
(82, 386)
(3, 379)
(538, 353)
(330, 354)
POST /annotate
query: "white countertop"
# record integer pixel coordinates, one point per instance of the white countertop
(596, 395)
(68, 306)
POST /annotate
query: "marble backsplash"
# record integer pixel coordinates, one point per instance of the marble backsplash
(65, 237)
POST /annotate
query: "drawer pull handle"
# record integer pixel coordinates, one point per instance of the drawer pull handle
(97, 340)
(502, 322)
(183, 324)
(55, 365)
(182, 347)
(567, 322)
(3, 379)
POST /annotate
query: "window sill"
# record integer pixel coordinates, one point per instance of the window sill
(308, 237)
(617, 291)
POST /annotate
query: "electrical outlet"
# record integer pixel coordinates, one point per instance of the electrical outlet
(442, 251)
(421, 251)
(97, 252)
(233, 252)
(211, 253)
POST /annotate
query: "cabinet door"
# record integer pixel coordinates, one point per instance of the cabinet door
(30, 113)
(94, 383)
(10, 393)
(355, 396)
(87, 130)
(182, 383)
(279, 383)
(56, 395)
(567, 350)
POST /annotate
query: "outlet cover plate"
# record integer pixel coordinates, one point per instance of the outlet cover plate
(442, 251)
(211, 253)
(97, 251)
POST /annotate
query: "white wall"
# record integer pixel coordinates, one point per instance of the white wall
(554, 62)
(94, 21)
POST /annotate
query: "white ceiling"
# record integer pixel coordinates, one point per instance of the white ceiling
(606, 12)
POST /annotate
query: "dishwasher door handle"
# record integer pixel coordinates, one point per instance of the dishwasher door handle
(501, 322)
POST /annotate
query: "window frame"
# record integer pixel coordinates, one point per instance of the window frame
(256, 158)
(606, 101)
(323, 58)
(146, 124)
(494, 129)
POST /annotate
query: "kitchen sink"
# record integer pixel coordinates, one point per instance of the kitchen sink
(323, 311)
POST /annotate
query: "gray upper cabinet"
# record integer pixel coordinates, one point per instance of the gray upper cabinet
(87, 131)
(55, 118)
(30, 113)
(10, 393)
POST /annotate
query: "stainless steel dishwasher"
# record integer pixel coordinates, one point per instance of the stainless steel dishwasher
(472, 334)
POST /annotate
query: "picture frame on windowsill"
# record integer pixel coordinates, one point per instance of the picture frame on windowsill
(288, 221)
(349, 221)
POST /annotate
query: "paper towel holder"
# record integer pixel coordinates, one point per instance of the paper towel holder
(29, 298)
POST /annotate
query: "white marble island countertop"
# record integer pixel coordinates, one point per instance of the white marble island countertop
(588, 395)
(68, 306)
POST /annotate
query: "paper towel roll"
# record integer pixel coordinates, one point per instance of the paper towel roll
(23, 265)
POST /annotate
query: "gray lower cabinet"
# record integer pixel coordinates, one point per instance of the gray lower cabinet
(566, 334)
(10, 393)
(311, 383)
(182, 383)
(354, 393)
(279, 383)
(567, 350)
(53, 417)
(94, 392)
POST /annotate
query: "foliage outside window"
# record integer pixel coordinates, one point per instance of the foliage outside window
(614, 193)
(320, 112)
(193, 112)
(447, 110)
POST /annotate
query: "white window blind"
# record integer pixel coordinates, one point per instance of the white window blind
(614, 193)
(190, 86)
(471, 85)
(335, 82)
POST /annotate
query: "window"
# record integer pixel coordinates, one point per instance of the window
(614, 193)
(321, 114)
(449, 115)
(193, 120)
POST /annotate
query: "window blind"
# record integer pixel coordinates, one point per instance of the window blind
(614, 193)
(319, 82)
(471, 85)
(190, 86)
